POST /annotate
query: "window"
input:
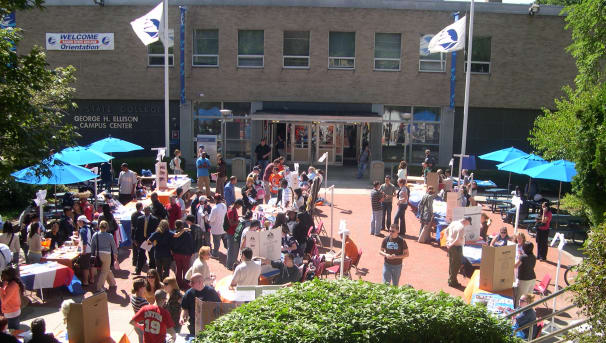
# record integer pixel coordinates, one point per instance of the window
(155, 52)
(250, 48)
(206, 48)
(388, 51)
(341, 50)
(396, 132)
(429, 62)
(480, 55)
(296, 49)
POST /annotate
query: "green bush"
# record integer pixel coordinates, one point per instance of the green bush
(357, 311)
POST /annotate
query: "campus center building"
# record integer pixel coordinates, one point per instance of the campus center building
(324, 75)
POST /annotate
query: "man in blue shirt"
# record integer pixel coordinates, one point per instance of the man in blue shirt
(188, 303)
(229, 191)
(202, 167)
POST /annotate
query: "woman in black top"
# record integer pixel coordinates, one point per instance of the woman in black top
(249, 195)
(526, 275)
(108, 216)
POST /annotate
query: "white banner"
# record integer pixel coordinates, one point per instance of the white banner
(79, 41)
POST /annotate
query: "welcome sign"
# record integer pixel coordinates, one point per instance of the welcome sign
(79, 41)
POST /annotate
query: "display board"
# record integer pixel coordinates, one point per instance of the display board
(472, 232)
(266, 243)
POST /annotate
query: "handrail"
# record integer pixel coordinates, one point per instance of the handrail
(538, 302)
(545, 317)
(565, 329)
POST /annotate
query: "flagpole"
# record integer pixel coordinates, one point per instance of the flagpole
(467, 80)
(166, 99)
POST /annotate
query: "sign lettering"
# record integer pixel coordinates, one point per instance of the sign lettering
(79, 41)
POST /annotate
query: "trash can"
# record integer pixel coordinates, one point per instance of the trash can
(238, 168)
(377, 171)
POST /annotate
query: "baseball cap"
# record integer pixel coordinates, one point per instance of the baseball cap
(83, 219)
(468, 218)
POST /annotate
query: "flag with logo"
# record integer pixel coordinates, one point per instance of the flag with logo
(150, 27)
(451, 38)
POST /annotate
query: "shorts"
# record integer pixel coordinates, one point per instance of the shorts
(85, 261)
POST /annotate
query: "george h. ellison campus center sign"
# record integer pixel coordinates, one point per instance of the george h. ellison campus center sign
(137, 121)
(79, 41)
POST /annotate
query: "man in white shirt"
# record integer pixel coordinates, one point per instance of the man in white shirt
(127, 182)
(286, 194)
(215, 220)
(455, 240)
(181, 203)
(246, 273)
(292, 177)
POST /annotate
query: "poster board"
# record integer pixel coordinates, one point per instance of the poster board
(496, 268)
(209, 144)
(451, 204)
(472, 232)
(266, 243)
(207, 312)
(433, 179)
(88, 322)
(161, 175)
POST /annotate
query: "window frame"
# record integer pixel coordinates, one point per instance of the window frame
(262, 57)
(488, 63)
(441, 61)
(194, 55)
(308, 57)
(375, 59)
(342, 58)
(171, 56)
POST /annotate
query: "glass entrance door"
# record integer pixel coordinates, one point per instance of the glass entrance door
(329, 138)
(300, 142)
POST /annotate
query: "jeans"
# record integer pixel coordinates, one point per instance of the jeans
(401, 217)
(33, 257)
(182, 265)
(386, 207)
(542, 237)
(455, 259)
(391, 273)
(232, 251)
(375, 222)
(13, 323)
(361, 168)
(163, 266)
(217, 242)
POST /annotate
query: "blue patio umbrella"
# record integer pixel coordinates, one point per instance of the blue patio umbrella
(111, 144)
(60, 174)
(503, 155)
(560, 170)
(520, 164)
(80, 155)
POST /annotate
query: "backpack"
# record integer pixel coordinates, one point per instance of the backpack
(171, 165)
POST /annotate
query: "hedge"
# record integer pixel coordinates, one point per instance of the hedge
(356, 311)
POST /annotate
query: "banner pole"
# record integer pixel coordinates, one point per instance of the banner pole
(166, 99)
(467, 81)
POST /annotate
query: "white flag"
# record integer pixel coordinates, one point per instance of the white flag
(451, 38)
(150, 26)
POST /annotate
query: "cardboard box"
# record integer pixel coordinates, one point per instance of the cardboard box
(88, 322)
(207, 311)
(496, 268)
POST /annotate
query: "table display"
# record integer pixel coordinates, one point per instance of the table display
(45, 275)
(64, 255)
(498, 303)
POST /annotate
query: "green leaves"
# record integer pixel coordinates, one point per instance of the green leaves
(356, 311)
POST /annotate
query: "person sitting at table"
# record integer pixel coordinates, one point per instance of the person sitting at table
(5, 337)
(11, 290)
(289, 272)
(299, 200)
(200, 266)
(484, 225)
(10, 237)
(246, 273)
(291, 220)
(161, 239)
(39, 335)
(34, 241)
(188, 304)
(286, 195)
(103, 243)
(304, 183)
(291, 246)
(85, 206)
(152, 285)
(56, 238)
(280, 220)
(501, 239)
(351, 253)
(525, 317)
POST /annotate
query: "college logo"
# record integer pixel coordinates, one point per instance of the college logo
(52, 41)
(105, 41)
(151, 27)
(448, 39)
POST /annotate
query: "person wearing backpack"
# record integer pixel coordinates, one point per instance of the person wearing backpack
(84, 245)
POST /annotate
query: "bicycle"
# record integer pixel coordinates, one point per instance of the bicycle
(570, 274)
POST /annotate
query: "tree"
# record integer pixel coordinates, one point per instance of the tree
(33, 99)
(559, 2)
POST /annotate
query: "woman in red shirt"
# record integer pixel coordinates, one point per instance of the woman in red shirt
(543, 223)
(174, 212)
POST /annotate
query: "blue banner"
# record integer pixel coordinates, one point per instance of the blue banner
(183, 10)
(453, 71)
(8, 22)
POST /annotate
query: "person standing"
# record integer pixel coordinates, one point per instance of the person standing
(103, 243)
(221, 174)
(402, 196)
(181, 247)
(229, 192)
(388, 190)
(85, 234)
(66, 224)
(455, 240)
(246, 273)
(174, 212)
(202, 172)
(543, 231)
(376, 197)
(188, 303)
(426, 215)
(394, 250)
(232, 223)
(161, 239)
(175, 163)
(280, 146)
(216, 220)
(287, 196)
(266, 178)
(363, 161)
(429, 160)
(526, 275)
(197, 236)
(146, 224)
(133, 223)
(402, 171)
(34, 241)
(127, 183)
(107, 177)
(263, 151)
(157, 208)
(11, 291)
(156, 320)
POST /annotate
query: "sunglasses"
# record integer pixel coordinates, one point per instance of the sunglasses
(393, 231)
